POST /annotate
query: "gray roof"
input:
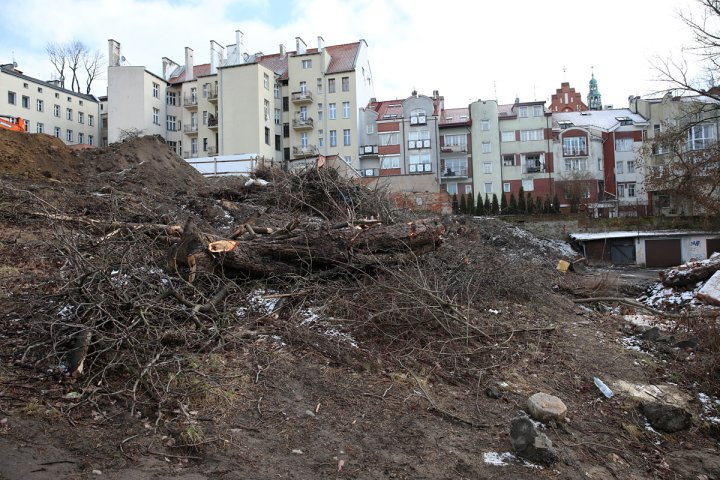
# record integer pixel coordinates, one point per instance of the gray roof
(602, 119)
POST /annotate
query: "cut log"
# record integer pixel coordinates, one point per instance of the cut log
(306, 252)
(691, 272)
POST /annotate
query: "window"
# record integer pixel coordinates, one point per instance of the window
(193, 99)
(508, 160)
(319, 85)
(307, 64)
(418, 116)
(391, 138)
(156, 116)
(332, 111)
(346, 109)
(624, 120)
(331, 85)
(286, 130)
(333, 138)
(171, 123)
(193, 120)
(369, 129)
(346, 137)
(488, 187)
(345, 84)
(487, 167)
(91, 120)
(155, 90)
(700, 136)
(575, 164)
(486, 147)
(506, 187)
(303, 113)
(81, 103)
(25, 85)
(321, 137)
(528, 185)
(69, 135)
(91, 140)
(81, 117)
(529, 135)
(25, 102)
(266, 81)
(574, 146)
(534, 163)
(390, 161)
(484, 125)
(600, 165)
(451, 188)
(538, 111)
(631, 166)
(205, 144)
(286, 104)
(81, 137)
(267, 136)
(277, 143)
(266, 109)
(68, 114)
(631, 190)
(276, 90)
(171, 98)
(320, 112)
(621, 190)
(507, 136)
(193, 146)
(69, 99)
(40, 128)
(104, 122)
(278, 116)
(348, 159)
(56, 132)
(623, 144)
(455, 140)
(57, 95)
(39, 89)
(420, 163)
(40, 105)
(619, 167)
(303, 88)
(12, 98)
(523, 112)
(206, 89)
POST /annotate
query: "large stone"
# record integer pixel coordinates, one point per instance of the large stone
(544, 407)
(667, 418)
(531, 444)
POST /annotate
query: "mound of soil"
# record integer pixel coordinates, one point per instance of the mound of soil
(36, 155)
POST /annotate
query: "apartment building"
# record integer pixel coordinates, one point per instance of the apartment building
(283, 106)
(700, 114)
(456, 166)
(512, 148)
(48, 108)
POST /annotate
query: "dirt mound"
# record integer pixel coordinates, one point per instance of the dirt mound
(143, 161)
(36, 155)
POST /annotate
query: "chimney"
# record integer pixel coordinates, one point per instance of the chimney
(321, 43)
(213, 57)
(166, 62)
(113, 53)
(300, 46)
(238, 39)
(283, 52)
(189, 72)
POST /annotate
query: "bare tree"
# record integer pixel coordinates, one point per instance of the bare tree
(76, 51)
(93, 62)
(58, 57)
(576, 186)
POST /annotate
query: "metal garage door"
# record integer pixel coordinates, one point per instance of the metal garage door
(662, 253)
(622, 252)
(713, 245)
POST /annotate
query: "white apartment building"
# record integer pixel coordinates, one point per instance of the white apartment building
(283, 106)
(48, 108)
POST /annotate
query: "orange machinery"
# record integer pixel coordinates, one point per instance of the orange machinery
(10, 122)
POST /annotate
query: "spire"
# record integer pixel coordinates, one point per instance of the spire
(594, 97)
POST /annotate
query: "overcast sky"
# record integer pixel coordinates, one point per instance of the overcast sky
(466, 49)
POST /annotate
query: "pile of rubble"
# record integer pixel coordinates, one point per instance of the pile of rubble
(692, 285)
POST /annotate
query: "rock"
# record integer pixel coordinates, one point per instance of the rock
(530, 444)
(97, 472)
(667, 418)
(689, 343)
(652, 334)
(544, 407)
(493, 392)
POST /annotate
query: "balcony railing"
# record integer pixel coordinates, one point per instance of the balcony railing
(535, 168)
(305, 151)
(190, 128)
(212, 96)
(301, 123)
(368, 150)
(190, 102)
(420, 168)
(212, 121)
(211, 151)
(302, 97)
(418, 120)
(370, 172)
(418, 144)
(455, 172)
(454, 148)
(574, 152)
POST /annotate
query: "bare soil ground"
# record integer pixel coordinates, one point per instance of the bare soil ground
(356, 377)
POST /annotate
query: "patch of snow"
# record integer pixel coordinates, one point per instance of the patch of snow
(327, 326)
(711, 408)
(66, 311)
(504, 459)
(631, 343)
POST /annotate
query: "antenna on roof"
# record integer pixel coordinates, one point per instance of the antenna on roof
(495, 89)
(564, 73)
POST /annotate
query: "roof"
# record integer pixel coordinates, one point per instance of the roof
(387, 109)
(10, 70)
(509, 109)
(455, 116)
(602, 119)
(198, 71)
(583, 237)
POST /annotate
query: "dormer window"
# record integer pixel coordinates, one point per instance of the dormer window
(565, 124)
(624, 120)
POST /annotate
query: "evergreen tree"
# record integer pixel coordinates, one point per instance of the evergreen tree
(480, 208)
(470, 204)
(455, 204)
(495, 208)
(463, 204)
(521, 205)
(555, 204)
(487, 207)
(513, 207)
(503, 204)
(547, 208)
(538, 205)
(529, 204)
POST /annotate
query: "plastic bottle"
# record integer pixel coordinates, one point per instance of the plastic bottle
(603, 388)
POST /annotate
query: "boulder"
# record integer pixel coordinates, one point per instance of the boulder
(544, 407)
(667, 418)
(531, 444)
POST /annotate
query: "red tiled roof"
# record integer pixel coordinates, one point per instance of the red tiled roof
(452, 116)
(387, 107)
(198, 71)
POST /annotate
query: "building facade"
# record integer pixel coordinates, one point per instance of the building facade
(566, 99)
(48, 108)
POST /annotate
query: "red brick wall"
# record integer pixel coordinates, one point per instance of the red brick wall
(542, 187)
(389, 171)
(636, 135)
(550, 162)
(388, 149)
(388, 127)
(609, 162)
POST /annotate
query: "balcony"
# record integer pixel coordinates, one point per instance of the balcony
(212, 96)
(420, 168)
(190, 129)
(454, 172)
(454, 149)
(300, 98)
(535, 168)
(418, 144)
(305, 151)
(190, 102)
(370, 172)
(212, 122)
(369, 151)
(574, 152)
(418, 120)
(211, 151)
(302, 123)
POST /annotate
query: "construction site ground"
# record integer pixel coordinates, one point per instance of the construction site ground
(321, 378)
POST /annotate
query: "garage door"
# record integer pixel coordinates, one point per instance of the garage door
(662, 253)
(713, 245)
(622, 252)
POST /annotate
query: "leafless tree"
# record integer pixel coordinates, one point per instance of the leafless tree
(76, 52)
(58, 57)
(93, 62)
(576, 186)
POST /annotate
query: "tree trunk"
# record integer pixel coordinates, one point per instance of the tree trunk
(690, 273)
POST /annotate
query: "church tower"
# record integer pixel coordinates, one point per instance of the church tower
(594, 97)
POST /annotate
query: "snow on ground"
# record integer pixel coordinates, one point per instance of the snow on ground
(506, 458)
(667, 298)
(328, 326)
(711, 408)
